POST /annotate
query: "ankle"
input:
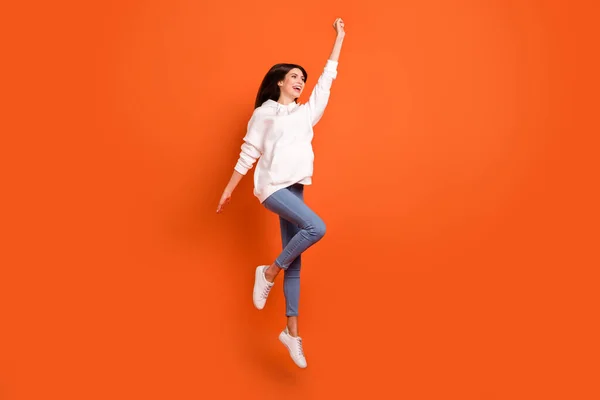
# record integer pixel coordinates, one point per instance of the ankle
(269, 276)
(271, 272)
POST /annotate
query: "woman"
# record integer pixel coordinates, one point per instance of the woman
(279, 137)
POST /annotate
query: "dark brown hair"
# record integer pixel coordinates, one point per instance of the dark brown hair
(269, 88)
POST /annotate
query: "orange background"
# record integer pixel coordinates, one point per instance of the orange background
(454, 168)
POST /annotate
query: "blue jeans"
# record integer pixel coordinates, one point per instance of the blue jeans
(300, 229)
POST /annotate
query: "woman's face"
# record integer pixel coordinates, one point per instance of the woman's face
(293, 84)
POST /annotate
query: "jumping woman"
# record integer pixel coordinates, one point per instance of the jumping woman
(279, 137)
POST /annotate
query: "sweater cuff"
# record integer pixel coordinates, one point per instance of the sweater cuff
(242, 169)
(331, 66)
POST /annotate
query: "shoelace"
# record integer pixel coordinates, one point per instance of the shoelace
(266, 291)
(300, 351)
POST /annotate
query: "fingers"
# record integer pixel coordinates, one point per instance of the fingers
(222, 204)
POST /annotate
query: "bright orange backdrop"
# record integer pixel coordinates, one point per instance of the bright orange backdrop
(454, 168)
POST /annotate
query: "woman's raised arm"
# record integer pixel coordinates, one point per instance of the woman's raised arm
(338, 25)
(319, 97)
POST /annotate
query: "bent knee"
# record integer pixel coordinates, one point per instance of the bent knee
(319, 230)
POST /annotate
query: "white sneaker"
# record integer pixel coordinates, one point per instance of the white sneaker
(262, 287)
(294, 346)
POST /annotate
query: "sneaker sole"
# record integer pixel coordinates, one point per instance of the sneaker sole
(256, 276)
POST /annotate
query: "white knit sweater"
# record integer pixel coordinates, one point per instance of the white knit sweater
(280, 138)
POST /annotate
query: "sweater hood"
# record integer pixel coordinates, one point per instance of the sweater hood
(278, 107)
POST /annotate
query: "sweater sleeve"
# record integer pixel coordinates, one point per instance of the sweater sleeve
(320, 94)
(252, 148)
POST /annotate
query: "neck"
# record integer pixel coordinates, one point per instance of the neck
(285, 100)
